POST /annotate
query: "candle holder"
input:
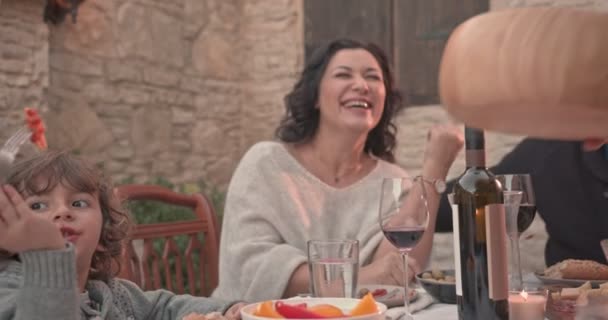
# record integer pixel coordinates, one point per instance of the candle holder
(527, 305)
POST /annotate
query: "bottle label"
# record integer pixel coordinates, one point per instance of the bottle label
(457, 267)
(496, 243)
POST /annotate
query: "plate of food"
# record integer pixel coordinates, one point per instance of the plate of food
(574, 273)
(391, 296)
(316, 308)
(441, 284)
(563, 303)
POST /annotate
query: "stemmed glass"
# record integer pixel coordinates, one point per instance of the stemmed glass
(403, 217)
(518, 220)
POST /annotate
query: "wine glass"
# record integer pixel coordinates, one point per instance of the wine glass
(518, 220)
(403, 217)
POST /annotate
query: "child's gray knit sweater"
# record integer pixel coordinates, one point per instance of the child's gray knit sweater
(44, 286)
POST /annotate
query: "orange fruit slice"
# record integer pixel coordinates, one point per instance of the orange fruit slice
(327, 311)
(266, 309)
(367, 305)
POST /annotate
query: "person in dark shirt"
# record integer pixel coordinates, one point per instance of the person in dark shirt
(571, 188)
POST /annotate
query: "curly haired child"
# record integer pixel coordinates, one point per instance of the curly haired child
(61, 221)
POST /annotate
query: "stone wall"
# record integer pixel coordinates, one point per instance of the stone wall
(178, 89)
(24, 66)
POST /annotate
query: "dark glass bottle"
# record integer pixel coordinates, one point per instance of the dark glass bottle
(479, 238)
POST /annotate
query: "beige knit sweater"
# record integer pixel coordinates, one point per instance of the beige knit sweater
(274, 206)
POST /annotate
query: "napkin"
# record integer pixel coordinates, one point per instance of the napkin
(423, 301)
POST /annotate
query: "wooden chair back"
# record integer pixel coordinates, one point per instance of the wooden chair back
(145, 268)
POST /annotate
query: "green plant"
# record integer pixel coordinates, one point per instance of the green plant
(145, 211)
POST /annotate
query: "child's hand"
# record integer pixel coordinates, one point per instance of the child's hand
(21, 229)
(234, 312)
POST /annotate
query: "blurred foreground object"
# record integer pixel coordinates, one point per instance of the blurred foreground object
(541, 72)
(34, 123)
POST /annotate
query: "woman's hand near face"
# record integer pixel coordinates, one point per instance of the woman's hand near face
(21, 229)
(443, 144)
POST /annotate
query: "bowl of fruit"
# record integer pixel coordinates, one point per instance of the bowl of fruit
(365, 308)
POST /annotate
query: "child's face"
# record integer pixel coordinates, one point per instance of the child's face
(76, 214)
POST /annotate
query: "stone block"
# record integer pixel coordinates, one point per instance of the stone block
(15, 52)
(150, 33)
(161, 76)
(113, 110)
(75, 63)
(210, 138)
(164, 167)
(69, 81)
(196, 16)
(150, 131)
(214, 55)
(192, 84)
(168, 97)
(93, 34)
(134, 94)
(182, 115)
(85, 132)
(101, 92)
(114, 166)
(222, 13)
(120, 70)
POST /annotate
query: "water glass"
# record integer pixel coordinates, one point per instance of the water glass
(333, 267)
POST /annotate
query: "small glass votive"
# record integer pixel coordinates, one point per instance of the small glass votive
(527, 305)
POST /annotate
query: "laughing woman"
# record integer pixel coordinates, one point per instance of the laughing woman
(336, 138)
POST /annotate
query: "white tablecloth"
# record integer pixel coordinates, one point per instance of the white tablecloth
(444, 311)
(438, 311)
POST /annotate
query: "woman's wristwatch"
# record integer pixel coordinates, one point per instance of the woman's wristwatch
(437, 184)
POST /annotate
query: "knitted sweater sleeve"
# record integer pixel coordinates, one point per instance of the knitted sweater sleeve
(43, 286)
(163, 304)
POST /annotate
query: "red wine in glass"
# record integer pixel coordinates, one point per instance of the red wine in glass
(403, 218)
(404, 238)
(525, 216)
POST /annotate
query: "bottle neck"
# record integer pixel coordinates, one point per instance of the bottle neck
(475, 158)
(475, 148)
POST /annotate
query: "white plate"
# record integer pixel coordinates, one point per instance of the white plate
(393, 296)
(566, 282)
(346, 304)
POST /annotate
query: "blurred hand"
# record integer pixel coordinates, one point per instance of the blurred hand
(443, 144)
(234, 312)
(593, 144)
(388, 270)
(21, 229)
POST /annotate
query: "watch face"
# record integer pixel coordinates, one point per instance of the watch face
(440, 186)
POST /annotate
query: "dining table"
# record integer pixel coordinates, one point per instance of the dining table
(442, 311)
(425, 309)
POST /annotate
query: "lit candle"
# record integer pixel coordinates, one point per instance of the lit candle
(527, 305)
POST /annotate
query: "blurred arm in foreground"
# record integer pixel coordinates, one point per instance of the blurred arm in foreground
(541, 72)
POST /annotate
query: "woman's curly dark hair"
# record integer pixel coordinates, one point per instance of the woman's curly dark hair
(301, 119)
(62, 167)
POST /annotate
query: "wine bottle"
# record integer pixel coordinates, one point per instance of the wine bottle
(480, 244)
